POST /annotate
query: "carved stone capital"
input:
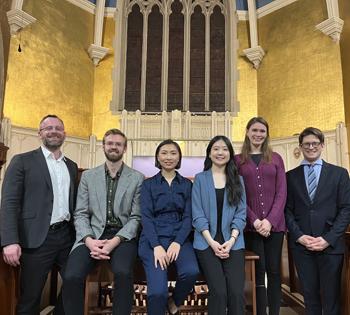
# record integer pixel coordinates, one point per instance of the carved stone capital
(97, 53)
(255, 55)
(332, 27)
(19, 19)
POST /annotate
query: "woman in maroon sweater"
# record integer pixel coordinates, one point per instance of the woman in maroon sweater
(265, 183)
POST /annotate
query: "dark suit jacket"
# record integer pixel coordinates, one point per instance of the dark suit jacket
(328, 216)
(27, 199)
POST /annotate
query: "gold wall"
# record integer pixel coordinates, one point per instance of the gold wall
(103, 119)
(300, 79)
(5, 6)
(344, 7)
(53, 73)
(246, 86)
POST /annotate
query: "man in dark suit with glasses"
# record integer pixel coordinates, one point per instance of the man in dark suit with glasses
(317, 215)
(38, 199)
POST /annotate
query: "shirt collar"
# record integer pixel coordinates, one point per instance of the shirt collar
(119, 172)
(160, 178)
(48, 154)
(317, 162)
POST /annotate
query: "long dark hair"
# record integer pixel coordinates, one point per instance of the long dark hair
(233, 183)
(265, 148)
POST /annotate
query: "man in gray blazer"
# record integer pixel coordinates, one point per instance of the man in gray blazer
(107, 221)
(38, 199)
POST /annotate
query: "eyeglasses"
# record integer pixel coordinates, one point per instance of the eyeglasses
(308, 145)
(51, 128)
(111, 143)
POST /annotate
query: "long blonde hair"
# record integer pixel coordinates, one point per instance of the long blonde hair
(265, 147)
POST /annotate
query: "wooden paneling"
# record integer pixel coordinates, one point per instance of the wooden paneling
(346, 277)
(8, 288)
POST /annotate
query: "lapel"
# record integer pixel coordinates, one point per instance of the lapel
(100, 187)
(323, 178)
(212, 199)
(72, 175)
(301, 184)
(39, 156)
(123, 184)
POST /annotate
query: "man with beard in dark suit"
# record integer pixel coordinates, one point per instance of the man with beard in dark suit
(38, 199)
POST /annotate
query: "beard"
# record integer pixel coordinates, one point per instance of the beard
(53, 144)
(116, 157)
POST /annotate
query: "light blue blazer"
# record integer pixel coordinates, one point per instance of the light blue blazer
(204, 212)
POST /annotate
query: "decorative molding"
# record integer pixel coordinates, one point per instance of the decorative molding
(19, 19)
(90, 7)
(109, 12)
(97, 53)
(273, 6)
(146, 131)
(255, 55)
(242, 15)
(84, 4)
(332, 27)
(96, 50)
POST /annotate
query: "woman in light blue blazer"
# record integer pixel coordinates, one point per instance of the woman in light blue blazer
(219, 217)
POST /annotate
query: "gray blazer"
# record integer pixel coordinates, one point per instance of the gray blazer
(90, 213)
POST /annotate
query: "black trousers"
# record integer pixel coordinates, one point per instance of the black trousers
(37, 263)
(269, 250)
(320, 277)
(79, 266)
(225, 279)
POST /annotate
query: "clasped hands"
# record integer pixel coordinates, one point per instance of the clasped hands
(263, 227)
(222, 250)
(165, 258)
(313, 243)
(100, 249)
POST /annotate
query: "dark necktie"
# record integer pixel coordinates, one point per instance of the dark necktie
(311, 182)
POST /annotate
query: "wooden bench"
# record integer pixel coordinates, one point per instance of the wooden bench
(98, 290)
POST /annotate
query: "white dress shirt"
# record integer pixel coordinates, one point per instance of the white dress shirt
(60, 180)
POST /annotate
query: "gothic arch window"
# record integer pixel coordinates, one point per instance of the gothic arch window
(175, 54)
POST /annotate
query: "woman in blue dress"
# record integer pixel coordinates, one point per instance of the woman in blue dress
(166, 221)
